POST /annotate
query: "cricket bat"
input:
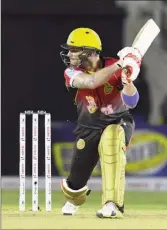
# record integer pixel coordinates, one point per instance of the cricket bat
(144, 39)
(146, 36)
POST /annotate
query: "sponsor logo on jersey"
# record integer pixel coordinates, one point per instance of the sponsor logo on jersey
(108, 88)
(92, 107)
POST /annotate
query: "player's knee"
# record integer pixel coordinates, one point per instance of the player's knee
(77, 197)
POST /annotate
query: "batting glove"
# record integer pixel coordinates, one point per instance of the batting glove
(130, 70)
(130, 51)
(131, 63)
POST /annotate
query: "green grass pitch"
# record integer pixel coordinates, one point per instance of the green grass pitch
(142, 211)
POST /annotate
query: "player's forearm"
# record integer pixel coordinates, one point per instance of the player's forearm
(130, 95)
(129, 89)
(102, 76)
(92, 81)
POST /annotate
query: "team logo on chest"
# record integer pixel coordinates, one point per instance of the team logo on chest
(108, 88)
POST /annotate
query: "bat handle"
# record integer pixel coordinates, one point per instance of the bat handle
(128, 71)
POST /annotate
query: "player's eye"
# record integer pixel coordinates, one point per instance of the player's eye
(74, 50)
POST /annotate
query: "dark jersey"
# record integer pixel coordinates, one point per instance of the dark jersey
(102, 106)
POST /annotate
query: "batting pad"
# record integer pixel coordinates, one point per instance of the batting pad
(113, 160)
(77, 197)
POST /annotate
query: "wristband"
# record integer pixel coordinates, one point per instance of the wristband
(131, 101)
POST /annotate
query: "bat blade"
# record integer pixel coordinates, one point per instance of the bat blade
(146, 36)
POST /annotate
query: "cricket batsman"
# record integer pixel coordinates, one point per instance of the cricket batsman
(103, 92)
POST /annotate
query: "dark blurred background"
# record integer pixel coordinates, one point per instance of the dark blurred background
(32, 70)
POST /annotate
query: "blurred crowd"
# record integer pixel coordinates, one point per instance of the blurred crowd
(152, 80)
(143, 110)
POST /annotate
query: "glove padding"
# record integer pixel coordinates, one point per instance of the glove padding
(130, 50)
(131, 64)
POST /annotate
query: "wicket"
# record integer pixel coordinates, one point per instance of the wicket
(22, 170)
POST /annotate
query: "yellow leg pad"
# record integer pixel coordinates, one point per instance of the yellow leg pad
(113, 160)
(77, 197)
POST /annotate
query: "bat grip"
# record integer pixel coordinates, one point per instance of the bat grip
(128, 71)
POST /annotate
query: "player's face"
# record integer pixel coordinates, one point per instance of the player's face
(88, 59)
(73, 55)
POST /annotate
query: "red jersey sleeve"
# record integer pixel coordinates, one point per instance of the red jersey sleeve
(69, 75)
